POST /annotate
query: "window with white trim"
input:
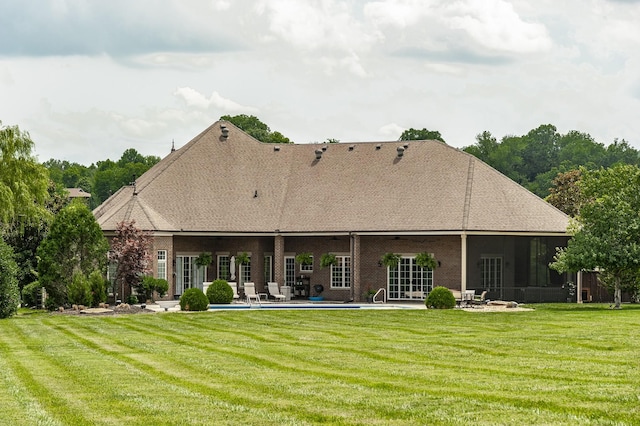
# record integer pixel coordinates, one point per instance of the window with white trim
(188, 273)
(161, 272)
(245, 271)
(268, 268)
(408, 281)
(341, 272)
(222, 267)
(289, 270)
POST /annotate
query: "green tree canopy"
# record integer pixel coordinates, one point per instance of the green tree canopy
(9, 295)
(421, 135)
(75, 243)
(607, 229)
(23, 181)
(256, 128)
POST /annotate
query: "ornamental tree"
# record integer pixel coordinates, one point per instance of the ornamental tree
(75, 243)
(606, 232)
(131, 251)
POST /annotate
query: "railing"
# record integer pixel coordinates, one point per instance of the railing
(384, 296)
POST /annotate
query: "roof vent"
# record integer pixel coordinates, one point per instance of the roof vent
(400, 150)
(318, 154)
(225, 131)
(276, 148)
(351, 147)
(406, 145)
(378, 146)
(324, 148)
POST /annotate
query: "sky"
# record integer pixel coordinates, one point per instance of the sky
(91, 79)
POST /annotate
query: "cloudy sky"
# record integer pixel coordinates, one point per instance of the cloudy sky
(90, 79)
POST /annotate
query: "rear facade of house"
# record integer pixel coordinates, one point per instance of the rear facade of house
(227, 194)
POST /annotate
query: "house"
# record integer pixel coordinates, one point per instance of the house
(227, 194)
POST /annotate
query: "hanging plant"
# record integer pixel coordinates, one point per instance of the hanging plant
(327, 259)
(426, 260)
(243, 259)
(391, 260)
(204, 259)
(304, 258)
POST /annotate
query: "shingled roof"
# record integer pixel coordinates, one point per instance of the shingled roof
(236, 184)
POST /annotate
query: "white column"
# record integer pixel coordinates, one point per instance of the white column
(463, 262)
(579, 287)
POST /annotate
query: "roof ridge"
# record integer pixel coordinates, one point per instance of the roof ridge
(467, 195)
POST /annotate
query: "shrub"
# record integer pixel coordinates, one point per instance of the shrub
(132, 299)
(9, 291)
(220, 292)
(31, 293)
(98, 286)
(440, 298)
(193, 299)
(150, 284)
(79, 291)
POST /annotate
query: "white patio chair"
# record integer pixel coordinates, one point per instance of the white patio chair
(274, 291)
(250, 292)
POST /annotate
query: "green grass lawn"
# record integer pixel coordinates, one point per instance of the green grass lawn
(558, 364)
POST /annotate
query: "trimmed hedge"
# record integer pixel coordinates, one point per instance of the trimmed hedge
(440, 298)
(220, 292)
(193, 299)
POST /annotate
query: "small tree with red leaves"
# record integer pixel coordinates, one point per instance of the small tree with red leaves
(131, 251)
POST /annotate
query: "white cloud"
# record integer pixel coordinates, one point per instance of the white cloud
(221, 5)
(193, 98)
(391, 131)
(496, 25)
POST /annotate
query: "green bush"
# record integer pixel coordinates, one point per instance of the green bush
(31, 293)
(9, 291)
(132, 299)
(98, 286)
(79, 291)
(440, 298)
(193, 299)
(220, 291)
(150, 284)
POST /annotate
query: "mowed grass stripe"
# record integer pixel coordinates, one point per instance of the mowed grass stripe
(199, 384)
(488, 371)
(357, 367)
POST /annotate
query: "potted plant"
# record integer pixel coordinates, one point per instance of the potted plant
(426, 260)
(327, 259)
(243, 258)
(391, 260)
(369, 295)
(204, 259)
(304, 258)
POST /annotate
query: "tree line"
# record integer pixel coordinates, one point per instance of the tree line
(595, 183)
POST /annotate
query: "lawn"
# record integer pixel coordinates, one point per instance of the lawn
(558, 364)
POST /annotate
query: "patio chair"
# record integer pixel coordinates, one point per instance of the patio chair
(274, 291)
(234, 287)
(250, 292)
(480, 299)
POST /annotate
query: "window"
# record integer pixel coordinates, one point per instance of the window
(409, 281)
(289, 270)
(341, 272)
(491, 271)
(188, 274)
(245, 272)
(222, 270)
(307, 268)
(268, 268)
(162, 264)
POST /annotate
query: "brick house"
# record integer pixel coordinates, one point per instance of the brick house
(225, 193)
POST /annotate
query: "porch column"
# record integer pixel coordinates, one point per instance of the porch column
(463, 262)
(356, 293)
(579, 287)
(278, 259)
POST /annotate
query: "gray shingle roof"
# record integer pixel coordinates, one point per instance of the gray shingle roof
(239, 184)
